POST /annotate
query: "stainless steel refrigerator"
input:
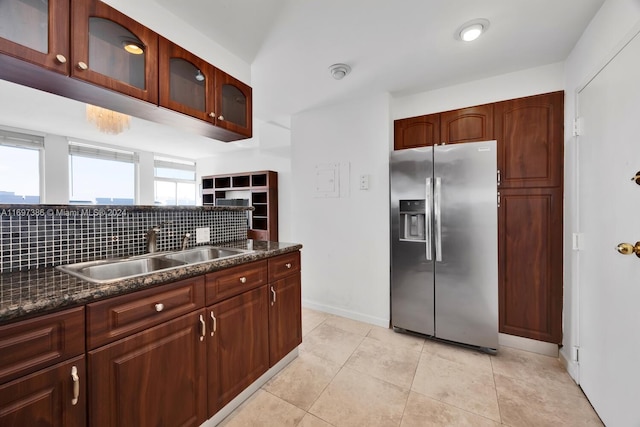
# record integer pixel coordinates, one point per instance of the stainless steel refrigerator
(444, 242)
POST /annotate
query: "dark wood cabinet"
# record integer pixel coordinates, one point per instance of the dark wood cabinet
(187, 82)
(530, 135)
(232, 281)
(153, 378)
(233, 104)
(55, 396)
(113, 51)
(259, 188)
(36, 32)
(285, 313)
(238, 346)
(414, 132)
(470, 124)
(530, 263)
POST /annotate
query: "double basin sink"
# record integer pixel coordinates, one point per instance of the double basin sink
(105, 271)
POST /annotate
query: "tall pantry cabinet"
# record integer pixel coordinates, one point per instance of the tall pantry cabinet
(529, 135)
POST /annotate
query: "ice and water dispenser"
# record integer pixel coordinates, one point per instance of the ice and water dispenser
(412, 220)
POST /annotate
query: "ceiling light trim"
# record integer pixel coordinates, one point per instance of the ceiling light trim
(476, 28)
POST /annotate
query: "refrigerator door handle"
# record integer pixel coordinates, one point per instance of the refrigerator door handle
(427, 212)
(438, 219)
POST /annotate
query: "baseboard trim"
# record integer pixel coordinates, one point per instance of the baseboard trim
(572, 367)
(526, 344)
(247, 392)
(378, 321)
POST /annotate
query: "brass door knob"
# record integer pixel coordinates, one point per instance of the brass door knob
(628, 249)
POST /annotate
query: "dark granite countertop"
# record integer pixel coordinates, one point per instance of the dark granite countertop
(29, 293)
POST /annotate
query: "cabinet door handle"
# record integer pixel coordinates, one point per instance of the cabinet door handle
(243, 280)
(159, 307)
(203, 328)
(76, 385)
(288, 265)
(221, 117)
(499, 178)
(212, 115)
(83, 66)
(214, 324)
(61, 58)
(273, 294)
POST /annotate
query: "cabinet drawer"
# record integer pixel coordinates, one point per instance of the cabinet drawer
(118, 317)
(233, 281)
(34, 344)
(283, 265)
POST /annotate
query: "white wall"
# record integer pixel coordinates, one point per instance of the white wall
(345, 259)
(268, 150)
(602, 37)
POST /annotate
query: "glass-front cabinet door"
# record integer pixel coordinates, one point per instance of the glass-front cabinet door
(112, 50)
(186, 82)
(36, 31)
(233, 104)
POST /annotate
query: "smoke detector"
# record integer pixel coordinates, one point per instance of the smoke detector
(339, 71)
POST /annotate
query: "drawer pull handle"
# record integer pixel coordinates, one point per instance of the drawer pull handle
(288, 265)
(76, 385)
(214, 326)
(203, 328)
(273, 293)
(159, 307)
(243, 280)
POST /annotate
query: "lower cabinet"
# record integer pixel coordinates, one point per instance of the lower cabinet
(153, 378)
(238, 345)
(53, 396)
(285, 317)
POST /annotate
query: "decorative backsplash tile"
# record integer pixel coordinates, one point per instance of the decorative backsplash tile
(33, 236)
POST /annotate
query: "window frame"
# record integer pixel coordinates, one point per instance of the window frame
(27, 141)
(178, 164)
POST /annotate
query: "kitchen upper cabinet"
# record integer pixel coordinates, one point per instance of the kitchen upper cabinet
(470, 124)
(530, 263)
(414, 132)
(36, 31)
(113, 51)
(153, 378)
(238, 346)
(233, 107)
(530, 141)
(187, 83)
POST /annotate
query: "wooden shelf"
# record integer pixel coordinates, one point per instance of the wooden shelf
(262, 187)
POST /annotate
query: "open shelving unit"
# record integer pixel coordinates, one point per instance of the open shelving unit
(259, 188)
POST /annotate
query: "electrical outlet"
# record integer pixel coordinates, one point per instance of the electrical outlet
(203, 234)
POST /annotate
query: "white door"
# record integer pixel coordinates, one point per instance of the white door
(609, 213)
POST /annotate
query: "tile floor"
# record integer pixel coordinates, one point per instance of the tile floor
(350, 373)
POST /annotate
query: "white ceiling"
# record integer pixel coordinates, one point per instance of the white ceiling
(401, 47)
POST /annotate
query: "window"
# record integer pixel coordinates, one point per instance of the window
(175, 182)
(99, 175)
(20, 167)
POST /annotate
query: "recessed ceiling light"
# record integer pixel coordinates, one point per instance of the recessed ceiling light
(133, 47)
(471, 30)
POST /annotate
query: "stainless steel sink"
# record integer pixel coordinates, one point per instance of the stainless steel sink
(106, 271)
(204, 254)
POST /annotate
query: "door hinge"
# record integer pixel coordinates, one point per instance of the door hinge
(576, 353)
(578, 126)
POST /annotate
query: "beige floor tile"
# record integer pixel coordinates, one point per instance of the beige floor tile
(469, 357)
(356, 399)
(302, 381)
(265, 410)
(327, 342)
(537, 403)
(311, 319)
(422, 411)
(398, 339)
(313, 421)
(396, 365)
(349, 325)
(456, 384)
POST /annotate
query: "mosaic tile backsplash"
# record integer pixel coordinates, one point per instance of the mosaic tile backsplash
(34, 236)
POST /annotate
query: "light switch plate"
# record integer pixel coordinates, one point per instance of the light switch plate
(203, 234)
(364, 182)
